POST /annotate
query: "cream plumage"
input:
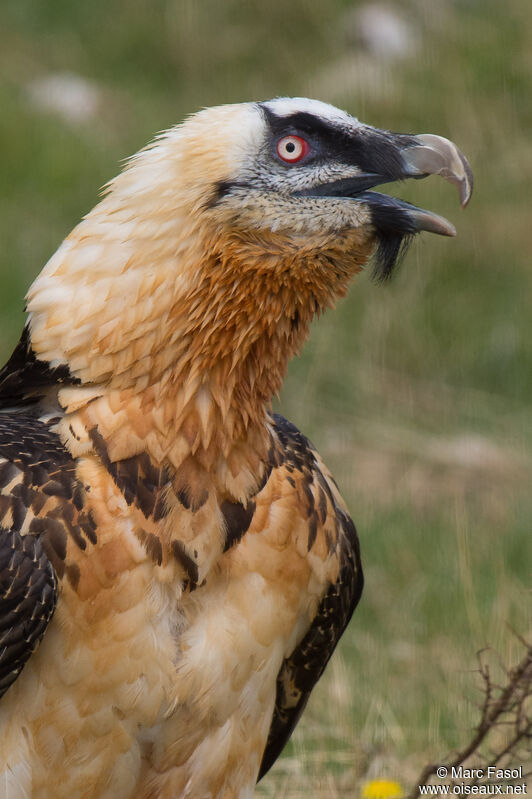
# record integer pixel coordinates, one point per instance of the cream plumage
(183, 554)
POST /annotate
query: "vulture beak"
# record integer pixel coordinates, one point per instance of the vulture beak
(435, 155)
(400, 157)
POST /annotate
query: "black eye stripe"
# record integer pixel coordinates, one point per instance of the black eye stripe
(369, 149)
(300, 123)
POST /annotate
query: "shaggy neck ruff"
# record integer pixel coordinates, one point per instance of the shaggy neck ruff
(201, 386)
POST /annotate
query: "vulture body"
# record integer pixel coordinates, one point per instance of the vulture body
(176, 563)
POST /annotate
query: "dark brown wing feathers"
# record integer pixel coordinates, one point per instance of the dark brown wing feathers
(25, 379)
(39, 495)
(28, 595)
(300, 672)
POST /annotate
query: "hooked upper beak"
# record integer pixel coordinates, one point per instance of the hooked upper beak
(435, 155)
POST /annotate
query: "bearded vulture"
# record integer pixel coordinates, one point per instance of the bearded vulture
(176, 562)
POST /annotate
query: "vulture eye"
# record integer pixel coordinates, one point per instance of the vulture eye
(292, 149)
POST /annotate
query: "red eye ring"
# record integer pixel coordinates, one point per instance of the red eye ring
(292, 149)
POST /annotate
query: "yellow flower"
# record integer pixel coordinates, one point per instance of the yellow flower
(382, 789)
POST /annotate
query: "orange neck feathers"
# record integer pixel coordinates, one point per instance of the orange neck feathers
(219, 356)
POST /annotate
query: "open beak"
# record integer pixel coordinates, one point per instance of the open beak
(403, 157)
(435, 155)
(386, 157)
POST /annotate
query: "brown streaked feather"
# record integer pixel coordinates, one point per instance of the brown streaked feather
(187, 562)
(237, 518)
(38, 484)
(138, 478)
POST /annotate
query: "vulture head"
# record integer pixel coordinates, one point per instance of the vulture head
(306, 169)
(215, 247)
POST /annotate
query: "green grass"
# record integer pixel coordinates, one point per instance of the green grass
(417, 393)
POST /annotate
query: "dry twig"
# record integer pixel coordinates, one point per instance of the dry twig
(504, 707)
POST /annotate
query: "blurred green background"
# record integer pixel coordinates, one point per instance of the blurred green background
(417, 393)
